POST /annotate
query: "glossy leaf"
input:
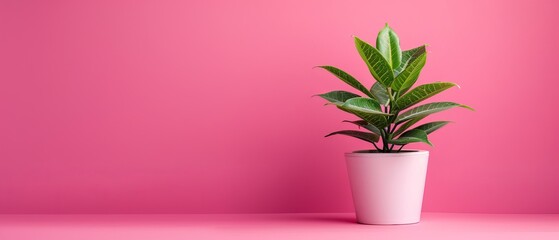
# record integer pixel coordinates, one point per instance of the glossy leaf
(380, 94)
(367, 109)
(378, 66)
(366, 125)
(421, 93)
(409, 75)
(365, 136)
(388, 44)
(411, 136)
(409, 56)
(407, 125)
(424, 110)
(350, 80)
(432, 126)
(338, 97)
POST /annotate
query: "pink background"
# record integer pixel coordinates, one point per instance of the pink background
(205, 107)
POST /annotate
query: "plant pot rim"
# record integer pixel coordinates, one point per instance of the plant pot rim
(407, 152)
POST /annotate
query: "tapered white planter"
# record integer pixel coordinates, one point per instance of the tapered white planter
(387, 187)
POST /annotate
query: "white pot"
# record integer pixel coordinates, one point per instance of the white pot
(387, 187)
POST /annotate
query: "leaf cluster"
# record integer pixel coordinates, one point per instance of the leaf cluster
(388, 110)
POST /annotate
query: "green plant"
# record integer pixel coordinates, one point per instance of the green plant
(385, 109)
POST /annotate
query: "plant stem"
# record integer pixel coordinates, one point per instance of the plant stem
(378, 149)
(388, 138)
(383, 135)
(390, 95)
(392, 119)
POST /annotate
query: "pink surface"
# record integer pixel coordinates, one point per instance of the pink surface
(204, 106)
(279, 226)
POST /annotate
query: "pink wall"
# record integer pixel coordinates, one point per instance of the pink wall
(204, 106)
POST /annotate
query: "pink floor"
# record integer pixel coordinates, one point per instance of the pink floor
(275, 226)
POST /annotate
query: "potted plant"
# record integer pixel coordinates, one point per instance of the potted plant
(387, 183)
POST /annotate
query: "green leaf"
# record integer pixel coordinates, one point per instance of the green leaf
(407, 57)
(380, 94)
(414, 135)
(421, 93)
(388, 44)
(364, 105)
(366, 125)
(367, 109)
(338, 97)
(378, 66)
(407, 125)
(409, 75)
(350, 80)
(432, 126)
(365, 136)
(424, 110)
